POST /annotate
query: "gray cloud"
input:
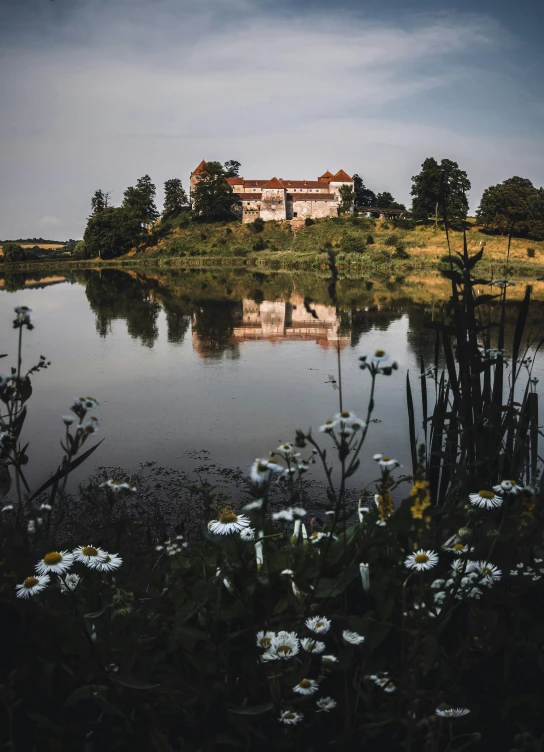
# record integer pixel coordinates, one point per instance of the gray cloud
(156, 87)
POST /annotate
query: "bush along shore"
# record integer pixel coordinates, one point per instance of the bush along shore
(358, 243)
(409, 620)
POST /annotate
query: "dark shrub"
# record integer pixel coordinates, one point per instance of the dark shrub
(257, 225)
(352, 244)
(327, 245)
(260, 245)
(392, 240)
(309, 222)
(203, 236)
(369, 240)
(401, 253)
(13, 252)
(228, 231)
(531, 252)
(385, 226)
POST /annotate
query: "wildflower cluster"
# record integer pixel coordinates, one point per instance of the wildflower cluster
(421, 496)
(60, 562)
(172, 547)
(535, 573)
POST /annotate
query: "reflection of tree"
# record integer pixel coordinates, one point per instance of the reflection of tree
(14, 281)
(177, 323)
(112, 294)
(364, 321)
(213, 324)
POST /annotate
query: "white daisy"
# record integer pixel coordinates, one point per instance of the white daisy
(387, 463)
(288, 572)
(326, 704)
(379, 356)
(421, 560)
(89, 426)
(318, 624)
(485, 499)
(452, 712)
(364, 570)
(70, 582)
(113, 485)
(312, 646)
(463, 566)
(32, 586)
(508, 486)
(45, 507)
(67, 419)
(317, 536)
(285, 644)
(328, 659)
(247, 534)
(8, 508)
(229, 522)
(290, 717)
(377, 457)
(490, 572)
(268, 655)
(285, 448)
(383, 680)
(55, 561)
(437, 584)
(260, 471)
(346, 417)
(460, 548)
(328, 426)
(88, 403)
(88, 554)
(264, 639)
(352, 637)
(250, 506)
(306, 687)
(109, 563)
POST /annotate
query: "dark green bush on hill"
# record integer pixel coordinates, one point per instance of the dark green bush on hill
(392, 240)
(257, 225)
(352, 244)
(259, 245)
(369, 240)
(309, 221)
(111, 233)
(13, 252)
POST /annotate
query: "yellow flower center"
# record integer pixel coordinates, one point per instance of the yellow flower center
(261, 468)
(379, 353)
(289, 715)
(228, 517)
(486, 570)
(305, 684)
(386, 459)
(329, 422)
(486, 494)
(459, 547)
(30, 582)
(513, 482)
(285, 649)
(89, 551)
(421, 558)
(310, 646)
(344, 414)
(319, 624)
(53, 558)
(265, 642)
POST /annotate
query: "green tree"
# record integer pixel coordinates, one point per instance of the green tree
(364, 197)
(212, 196)
(111, 233)
(440, 189)
(100, 201)
(13, 252)
(80, 251)
(514, 202)
(347, 198)
(175, 198)
(232, 168)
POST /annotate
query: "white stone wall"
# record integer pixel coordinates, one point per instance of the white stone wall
(273, 204)
(313, 209)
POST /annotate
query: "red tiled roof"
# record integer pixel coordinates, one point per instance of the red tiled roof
(303, 184)
(248, 196)
(254, 183)
(199, 168)
(274, 183)
(341, 176)
(326, 176)
(311, 196)
(235, 181)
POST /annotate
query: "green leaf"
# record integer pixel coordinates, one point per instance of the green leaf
(96, 614)
(132, 683)
(62, 472)
(45, 723)
(253, 709)
(88, 692)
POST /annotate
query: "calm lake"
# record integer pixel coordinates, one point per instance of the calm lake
(218, 365)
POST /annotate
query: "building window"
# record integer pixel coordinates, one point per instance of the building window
(295, 214)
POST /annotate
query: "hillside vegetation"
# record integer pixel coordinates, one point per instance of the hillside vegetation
(356, 242)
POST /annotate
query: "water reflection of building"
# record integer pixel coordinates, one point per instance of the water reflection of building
(284, 321)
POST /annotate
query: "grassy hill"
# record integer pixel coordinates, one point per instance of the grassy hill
(358, 242)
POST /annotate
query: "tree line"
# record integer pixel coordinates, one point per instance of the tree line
(439, 194)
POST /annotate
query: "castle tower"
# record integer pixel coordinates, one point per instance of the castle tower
(273, 200)
(196, 174)
(341, 178)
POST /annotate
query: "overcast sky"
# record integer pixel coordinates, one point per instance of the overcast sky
(96, 93)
